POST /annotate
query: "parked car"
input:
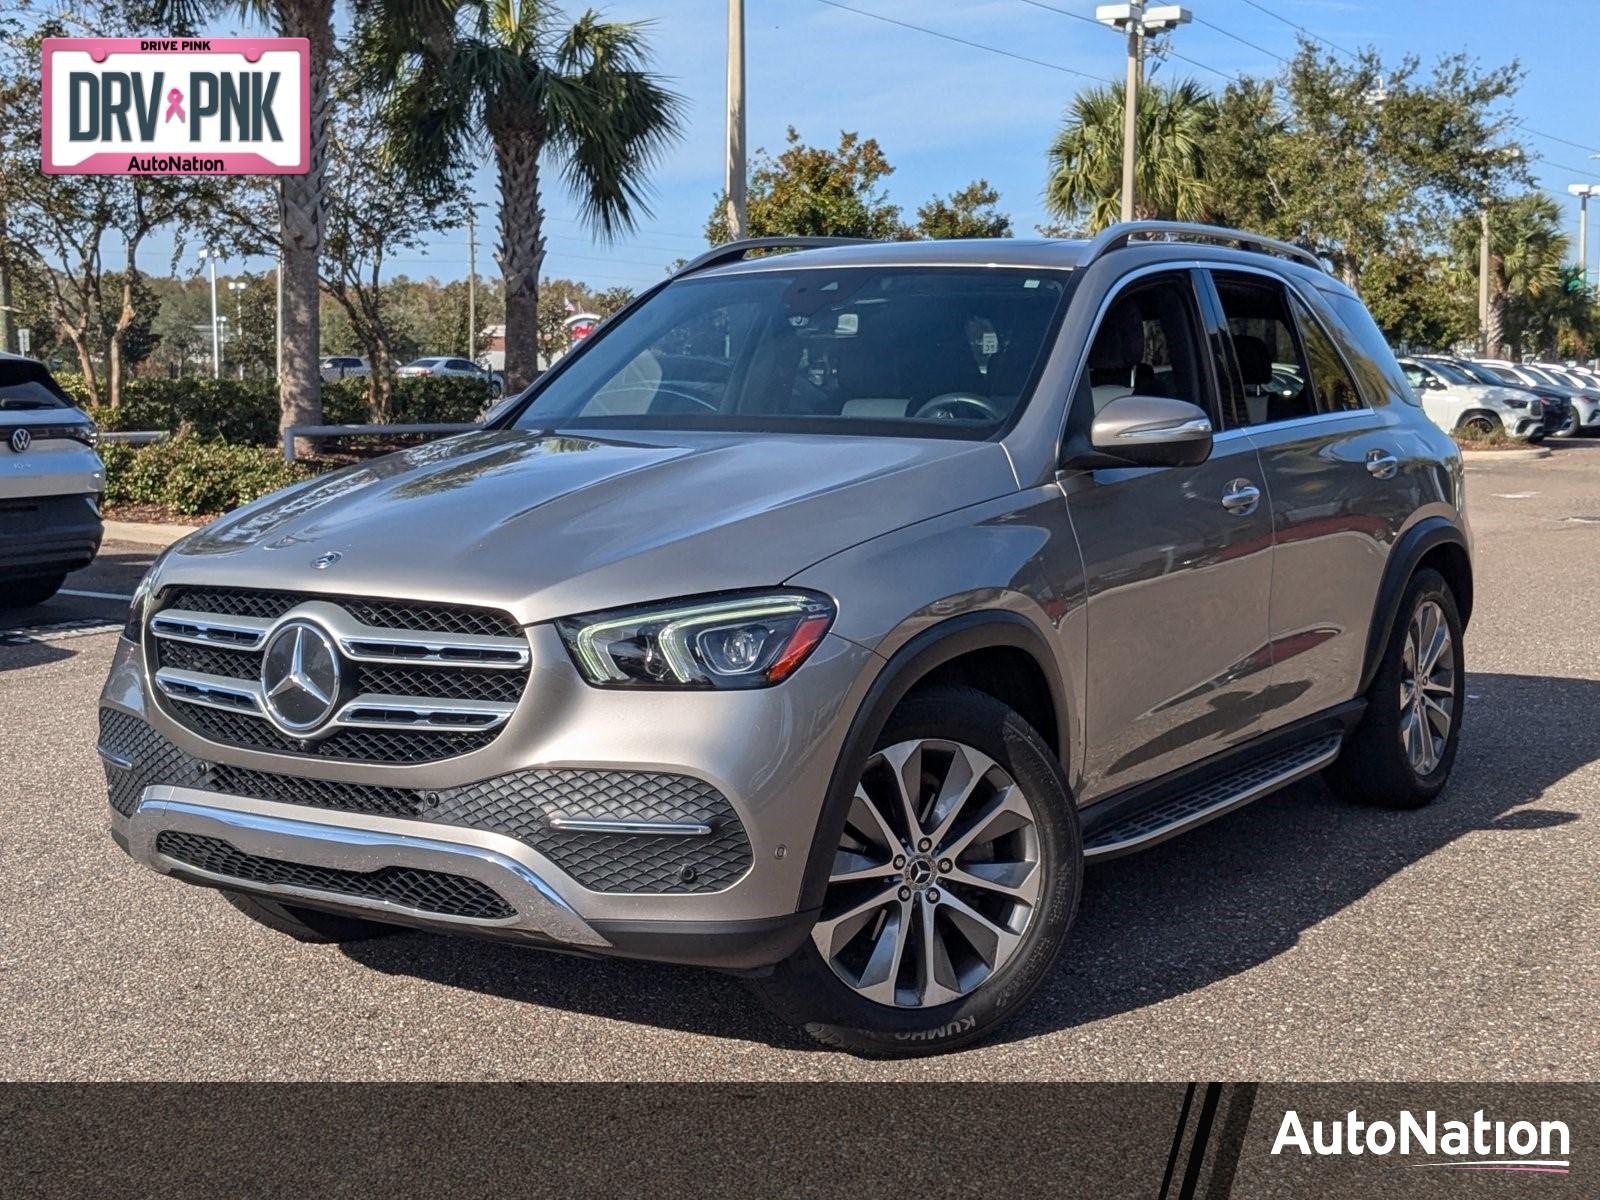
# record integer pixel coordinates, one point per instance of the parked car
(1552, 401)
(1582, 408)
(438, 365)
(1582, 389)
(344, 366)
(1456, 402)
(51, 483)
(826, 645)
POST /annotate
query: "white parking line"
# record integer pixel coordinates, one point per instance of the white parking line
(95, 595)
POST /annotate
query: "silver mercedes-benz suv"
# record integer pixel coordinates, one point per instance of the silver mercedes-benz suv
(819, 619)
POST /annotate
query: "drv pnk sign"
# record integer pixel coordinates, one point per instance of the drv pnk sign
(177, 106)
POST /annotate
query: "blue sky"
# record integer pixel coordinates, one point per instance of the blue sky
(946, 113)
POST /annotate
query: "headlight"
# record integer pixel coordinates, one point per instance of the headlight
(747, 641)
(1516, 403)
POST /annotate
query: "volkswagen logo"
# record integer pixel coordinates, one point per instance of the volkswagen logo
(300, 677)
(21, 439)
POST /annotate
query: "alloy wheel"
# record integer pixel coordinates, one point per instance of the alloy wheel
(936, 879)
(1427, 688)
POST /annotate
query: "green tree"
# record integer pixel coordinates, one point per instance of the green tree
(816, 191)
(1085, 182)
(374, 213)
(1416, 301)
(968, 213)
(522, 79)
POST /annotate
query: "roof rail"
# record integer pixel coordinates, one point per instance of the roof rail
(734, 251)
(1117, 236)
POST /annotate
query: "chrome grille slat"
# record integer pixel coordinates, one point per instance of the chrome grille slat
(440, 683)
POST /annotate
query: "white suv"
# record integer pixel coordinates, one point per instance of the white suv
(1457, 403)
(51, 481)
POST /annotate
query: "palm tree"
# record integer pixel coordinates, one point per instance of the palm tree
(1527, 250)
(521, 78)
(1085, 185)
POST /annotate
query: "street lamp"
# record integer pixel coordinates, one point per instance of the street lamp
(210, 256)
(236, 286)
(1583, 191)
(1138, 22)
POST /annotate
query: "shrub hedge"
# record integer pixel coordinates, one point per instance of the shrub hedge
(246, 412)
(192, 477)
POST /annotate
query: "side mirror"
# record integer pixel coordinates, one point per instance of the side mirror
(1145, 431)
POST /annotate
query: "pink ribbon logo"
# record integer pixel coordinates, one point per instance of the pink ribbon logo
(175, 105)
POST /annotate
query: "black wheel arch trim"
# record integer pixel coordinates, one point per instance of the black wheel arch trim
(1414, 545)
(907, 667)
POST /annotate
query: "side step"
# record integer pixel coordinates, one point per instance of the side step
(1233, 790)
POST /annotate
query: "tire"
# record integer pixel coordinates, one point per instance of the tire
(30, 590)
(1375, 767)
(1570, 427)
(1483, 424)
(946, 724)
(309, 925)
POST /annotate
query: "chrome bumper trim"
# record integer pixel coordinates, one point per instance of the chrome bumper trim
(351, 842)
(639, 828)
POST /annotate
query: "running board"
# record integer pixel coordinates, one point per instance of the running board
(1233, 790)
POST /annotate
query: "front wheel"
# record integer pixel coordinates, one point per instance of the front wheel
(952, 888)
(1401, 754)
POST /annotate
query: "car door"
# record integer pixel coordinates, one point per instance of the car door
(1337, 473)
(1177, 560)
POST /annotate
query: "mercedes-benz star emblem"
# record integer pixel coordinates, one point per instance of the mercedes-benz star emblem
(300, 677)
(21, 439)
(323, 561)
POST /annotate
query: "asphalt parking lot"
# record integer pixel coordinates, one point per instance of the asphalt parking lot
(1298, 939)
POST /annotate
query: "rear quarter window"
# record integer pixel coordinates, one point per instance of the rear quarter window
(1377, 373)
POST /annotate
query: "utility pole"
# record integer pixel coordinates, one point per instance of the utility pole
(1138, 22)
(1483, 283)
(472, 281)
(1583, 191)
(6, 319)
(237, 286)
(734, 176)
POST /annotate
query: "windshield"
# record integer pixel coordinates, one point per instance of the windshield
(913, 352)
(1478, 373)
(1448, 372)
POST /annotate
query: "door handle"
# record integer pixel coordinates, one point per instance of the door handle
(1241, 497)
(1381, 464)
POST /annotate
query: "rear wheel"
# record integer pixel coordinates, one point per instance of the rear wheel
(31, 589)
(1401, 754)
(952, 888)
(307, 924)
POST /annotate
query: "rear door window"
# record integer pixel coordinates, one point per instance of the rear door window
(1267, 350)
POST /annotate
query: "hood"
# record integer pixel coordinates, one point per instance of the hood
(546, 526)
(1491, 393)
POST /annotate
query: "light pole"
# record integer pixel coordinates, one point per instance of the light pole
(1583, 191)
(210, 256)
(1138, 22)
(237, 286)
(734, 173)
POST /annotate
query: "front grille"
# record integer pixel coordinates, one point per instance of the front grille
(519, 805)
(371, 690)
(425, 891)
(387, 614)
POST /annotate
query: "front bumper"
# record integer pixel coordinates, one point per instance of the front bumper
(722, 889)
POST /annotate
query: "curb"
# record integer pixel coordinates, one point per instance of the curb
(1483, 457)
(145, 533)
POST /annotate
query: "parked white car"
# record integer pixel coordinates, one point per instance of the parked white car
(1457, 403)
(440, 365)
(1582, 396)
(344, 366)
